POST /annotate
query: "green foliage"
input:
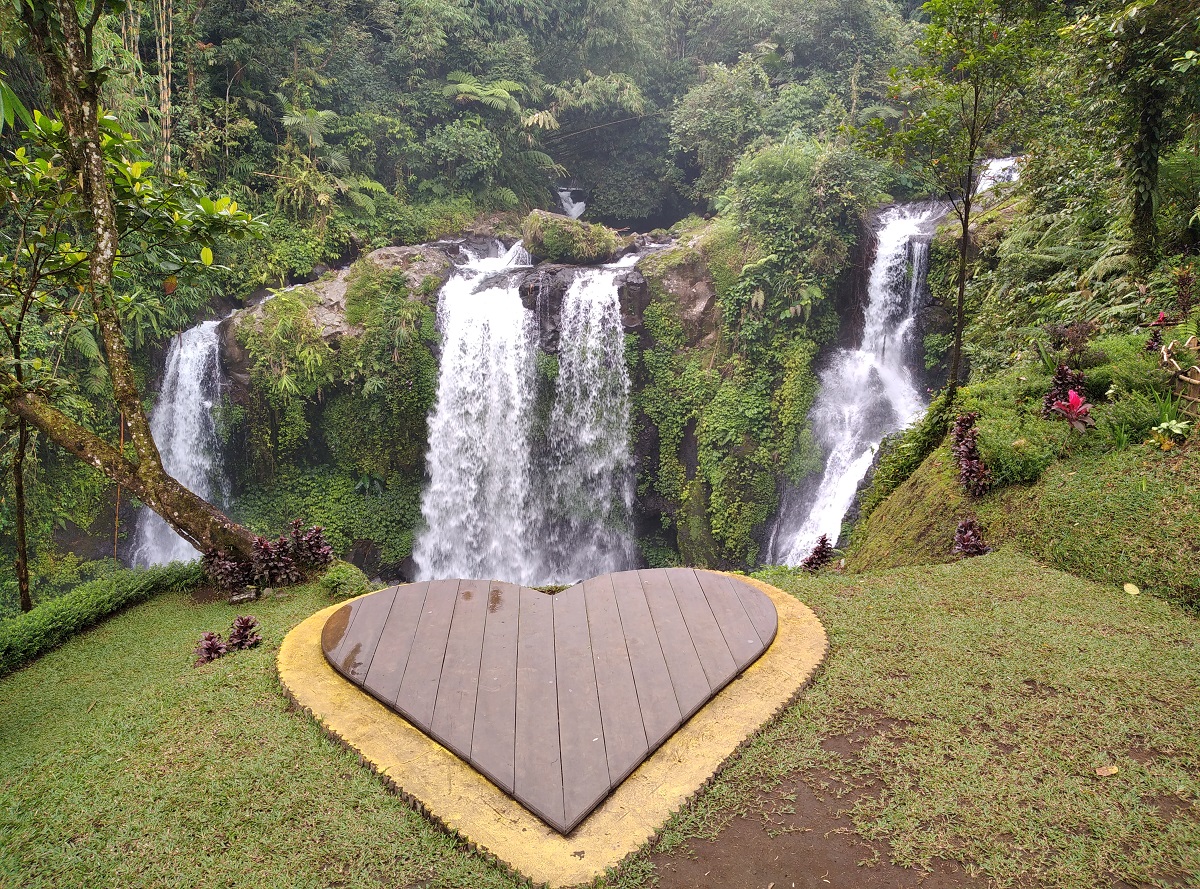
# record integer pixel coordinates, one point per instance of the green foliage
(555, 238)
(331, 498)
(344, 581)
(802, 203)
(903, 452)
(27, 636)
(717, 119)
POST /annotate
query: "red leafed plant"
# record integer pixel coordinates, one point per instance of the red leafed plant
(243, 636)
(1076, 411)
(211, 647)
(820, 556)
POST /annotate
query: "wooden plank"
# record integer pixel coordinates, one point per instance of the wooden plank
(538, 779)
(688, 678)
(743, 640)
(493, 738)
(760, 609)
(357, 647)
(391, 655)
(620, 711)
(418, 689)
(454, 712)
(580, 727)
(715, 657)
(657, 696)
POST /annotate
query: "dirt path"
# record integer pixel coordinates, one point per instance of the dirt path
(803, 844)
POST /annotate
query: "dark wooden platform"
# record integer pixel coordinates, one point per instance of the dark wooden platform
(555, 698)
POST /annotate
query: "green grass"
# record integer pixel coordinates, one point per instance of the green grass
(1130, 515)
(122, 765)
(991, 690)
(995, 687)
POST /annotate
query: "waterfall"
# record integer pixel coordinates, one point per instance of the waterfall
(998, 170)
(589, 495)
(569, 205)
(868, 392)
(183, 428)
(503, 500)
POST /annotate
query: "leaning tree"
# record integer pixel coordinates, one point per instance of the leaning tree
(83, 172)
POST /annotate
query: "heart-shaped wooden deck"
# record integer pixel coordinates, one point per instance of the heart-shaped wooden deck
(555, 698)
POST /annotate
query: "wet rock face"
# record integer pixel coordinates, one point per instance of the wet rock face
(635, 297)
(542, 291)
(691, 285)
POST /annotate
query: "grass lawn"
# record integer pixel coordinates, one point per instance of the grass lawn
(986, 694)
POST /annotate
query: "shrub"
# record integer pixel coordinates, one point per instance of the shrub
(968, 539)
(210, 647)
(1076, 411)
(902, 453)
(285, 561)
(973, 474)
(556, 238)
(820, 555)
(242, 635)
(47, 626)
(1016, 450)
(1064, 381)
(344, 581)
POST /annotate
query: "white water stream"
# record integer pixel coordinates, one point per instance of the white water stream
(868, 392)
(570, 206)
(183, 428)
(503, 501)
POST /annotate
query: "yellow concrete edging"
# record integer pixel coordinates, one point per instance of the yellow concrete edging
(456, 796)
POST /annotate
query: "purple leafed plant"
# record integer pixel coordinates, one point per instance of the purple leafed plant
(211, 647)
(1155, 342)
(242, 635)
(973, 473)
(290, 559)
(968, 539)
(1076, 411)
(820, 556)
(310, 549)
(228, 575)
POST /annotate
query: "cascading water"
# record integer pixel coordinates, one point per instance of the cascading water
(570, 206)
(500, 502)
(476, 507)
(183, 428)
(868, 392)
(589, 496)
(997, 171)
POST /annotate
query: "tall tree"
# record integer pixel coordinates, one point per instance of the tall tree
(61, 34)
(1135, 49)
(961, 100)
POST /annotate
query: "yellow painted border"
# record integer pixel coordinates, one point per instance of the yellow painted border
(463, 801)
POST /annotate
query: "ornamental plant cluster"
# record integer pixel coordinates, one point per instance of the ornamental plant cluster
(973, 473)
(242, 637)
(1065, 380)
(968, 539)
(820, 556)
(1075, 411)
(288, 560)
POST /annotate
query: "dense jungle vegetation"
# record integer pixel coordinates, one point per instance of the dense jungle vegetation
(257, 144)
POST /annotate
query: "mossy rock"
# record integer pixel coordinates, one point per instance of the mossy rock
(555, 238)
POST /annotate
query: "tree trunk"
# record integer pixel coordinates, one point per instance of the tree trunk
(64, 47)
(22, 560)
(1143, 175)
(195, 519)
(960, 312)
